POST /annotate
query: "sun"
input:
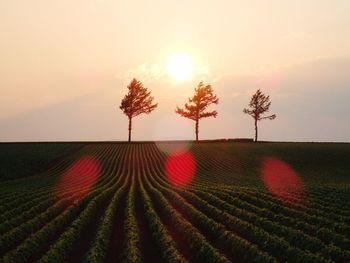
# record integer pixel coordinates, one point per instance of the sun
(180, 66)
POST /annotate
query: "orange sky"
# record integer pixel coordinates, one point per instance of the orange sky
(65, 65)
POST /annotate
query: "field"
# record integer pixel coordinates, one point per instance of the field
(175, 202)
(33, 157)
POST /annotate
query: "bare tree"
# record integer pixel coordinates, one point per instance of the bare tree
(196, 106)
(258, 105)
(138, 100)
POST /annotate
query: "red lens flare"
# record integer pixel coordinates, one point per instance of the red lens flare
(79, 178)
(281, 180)
(180, 168)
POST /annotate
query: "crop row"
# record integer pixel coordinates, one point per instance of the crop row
(61, 249)
(275, 246)
(314, 244)
(328, 237)
(204, 222)
(49, 231)
(231, 242)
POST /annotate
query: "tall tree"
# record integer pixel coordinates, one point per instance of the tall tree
(196, 106)
(138, 100)
(258, 105)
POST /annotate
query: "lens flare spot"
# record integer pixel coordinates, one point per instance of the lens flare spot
(79, 178)
(180, 168)
(174, 137)
(280, 179)
(174, 147)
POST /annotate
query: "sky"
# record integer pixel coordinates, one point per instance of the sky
(65, 66)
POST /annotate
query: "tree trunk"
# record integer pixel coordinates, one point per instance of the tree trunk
(256, 130)
(129, 139)
(197, 124)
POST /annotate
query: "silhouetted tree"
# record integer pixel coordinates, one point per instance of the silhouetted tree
(258, 105)
(138, 100)
(196, 106)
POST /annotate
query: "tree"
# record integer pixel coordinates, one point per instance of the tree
(259, 104)
(138, 100)
(196, 106)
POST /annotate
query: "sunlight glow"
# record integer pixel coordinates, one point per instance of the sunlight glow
(180, 66)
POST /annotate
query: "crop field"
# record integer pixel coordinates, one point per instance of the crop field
(33, 157)
(176, 202)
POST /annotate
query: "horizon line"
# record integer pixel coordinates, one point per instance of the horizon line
(222, 140)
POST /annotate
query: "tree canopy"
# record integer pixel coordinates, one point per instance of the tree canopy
(258, 105)
(138, 100)
(196, 107)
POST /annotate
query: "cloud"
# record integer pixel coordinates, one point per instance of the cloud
(146, 72)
